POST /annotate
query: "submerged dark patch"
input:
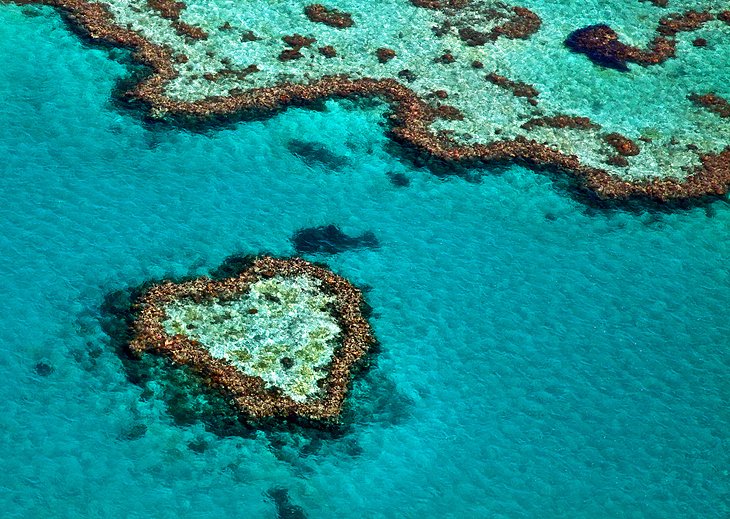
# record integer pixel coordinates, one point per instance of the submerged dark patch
(134, 432)
(313, 153)
(285, 509)
(329, 239)
(399, 179)
(44, 369)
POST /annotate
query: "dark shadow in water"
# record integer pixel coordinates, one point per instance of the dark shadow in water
(329, 239)
(316, 154)
(399, 179)
(285, 509)
(44, 369)
(32, 11)
(133, 432)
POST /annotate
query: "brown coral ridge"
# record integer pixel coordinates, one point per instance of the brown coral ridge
(518, 88)
(385, 54)
(602, 46)
(190, 31)
(515, 22)
(169, 9)
(246, 393)
(296, 42)
(240, 74)
(521, 23)
(561, 121)
(448, 112)
(712, 102)
(333, 17)
(410, 120)
(622, 145)
(440, 4)
(328, 51)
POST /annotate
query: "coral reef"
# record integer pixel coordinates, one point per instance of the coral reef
(518, 88)
(328, 51)
(385, 55)
(477, 22)
(206, 64)
(623, 145)
(279, 339)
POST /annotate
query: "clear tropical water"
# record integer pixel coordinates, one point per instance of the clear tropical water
(539, 358)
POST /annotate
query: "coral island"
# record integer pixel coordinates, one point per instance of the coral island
(469, 81)
(279, 339)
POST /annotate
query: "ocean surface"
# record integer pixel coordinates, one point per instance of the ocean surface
(539, 356)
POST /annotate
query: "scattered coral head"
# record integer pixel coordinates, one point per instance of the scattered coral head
(712, 102)
(623, 145)
(333, 17)
(384, 54)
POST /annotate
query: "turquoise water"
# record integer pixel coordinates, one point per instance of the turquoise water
(540, 358)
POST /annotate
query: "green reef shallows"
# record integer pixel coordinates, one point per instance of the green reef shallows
(469, 80)
(279, 339)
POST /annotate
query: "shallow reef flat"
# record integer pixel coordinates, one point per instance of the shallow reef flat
(279, 339)
(629, 97)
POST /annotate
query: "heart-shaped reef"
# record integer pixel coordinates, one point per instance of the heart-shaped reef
(279, 339)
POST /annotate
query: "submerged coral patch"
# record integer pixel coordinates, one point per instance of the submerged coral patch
(279, 339)
(330, 239)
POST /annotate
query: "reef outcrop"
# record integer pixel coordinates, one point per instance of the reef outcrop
(602, 45)
(333, 17)
(712, 102)
(279, 339)
(562, 121)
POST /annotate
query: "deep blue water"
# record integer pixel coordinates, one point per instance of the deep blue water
(539, 358)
